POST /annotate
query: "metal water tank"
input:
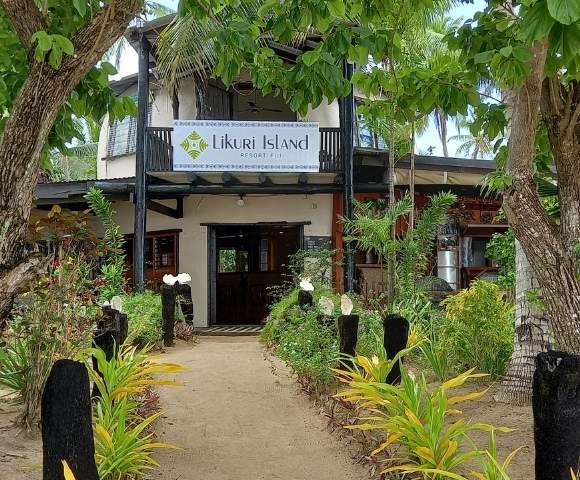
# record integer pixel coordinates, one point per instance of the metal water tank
(447, 267)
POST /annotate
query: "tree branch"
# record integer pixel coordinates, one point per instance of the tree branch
(26, 19)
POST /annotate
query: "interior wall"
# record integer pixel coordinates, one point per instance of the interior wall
(199, 209)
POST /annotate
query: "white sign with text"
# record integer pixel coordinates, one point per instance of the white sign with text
(235, 146)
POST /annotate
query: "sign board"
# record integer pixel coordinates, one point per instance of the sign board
(230, 146)
(313, 242)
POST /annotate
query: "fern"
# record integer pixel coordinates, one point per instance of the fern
(113, 269)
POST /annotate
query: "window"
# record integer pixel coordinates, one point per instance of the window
(232, 260)
(123, 135)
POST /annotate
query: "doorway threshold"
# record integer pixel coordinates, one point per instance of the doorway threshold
(230, 330)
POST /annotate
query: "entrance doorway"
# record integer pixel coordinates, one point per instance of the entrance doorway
(245, 261)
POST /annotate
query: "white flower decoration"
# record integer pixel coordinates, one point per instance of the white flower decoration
(326, 305)
(306, 285)
(346, 305)
(184, 278)
(169, 279)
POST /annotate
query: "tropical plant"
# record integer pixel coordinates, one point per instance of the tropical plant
(79, 161)
(307, 339)
(144, 314)
(51, 74)
(475, 146)
(114, 268)
(14, 365)
(413, 417)
(55, 320)
(371, 229)
(479, 329)
(123, 444)
(501, 249)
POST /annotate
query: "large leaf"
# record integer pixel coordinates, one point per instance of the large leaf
(537, 22)
(565, 11)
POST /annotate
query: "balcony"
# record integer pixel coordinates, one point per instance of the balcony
(160, 150)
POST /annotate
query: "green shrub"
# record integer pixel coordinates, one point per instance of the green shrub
(310, 347)
(144, 313)
(479, 328)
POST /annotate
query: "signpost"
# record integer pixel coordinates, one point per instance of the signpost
(235, 146)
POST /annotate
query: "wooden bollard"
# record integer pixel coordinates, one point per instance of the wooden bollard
(185, 301)
(556, 407)
(396, 334)
(347, 335)
(67, 430)
(168, 294)
(305, 299)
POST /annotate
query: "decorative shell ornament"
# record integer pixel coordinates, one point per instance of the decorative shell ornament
(345, 304)
(184, 278)
(169, 279)
(117, 303)
(306, 285)
(326, 305)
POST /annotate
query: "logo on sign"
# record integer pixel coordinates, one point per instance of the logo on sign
(194, 144)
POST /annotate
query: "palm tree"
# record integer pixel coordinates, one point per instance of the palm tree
(79, 161)
(473, 146)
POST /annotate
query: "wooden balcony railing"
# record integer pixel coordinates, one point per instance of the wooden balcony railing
(160, 150)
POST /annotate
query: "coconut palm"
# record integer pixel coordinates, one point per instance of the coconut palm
(473, 146)
(78, 161)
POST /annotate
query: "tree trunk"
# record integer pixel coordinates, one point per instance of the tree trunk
(30, 122)
(541, 239)
(531, 337)
(391, 178)
(442, 130)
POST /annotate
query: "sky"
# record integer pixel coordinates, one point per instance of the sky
(428, 139)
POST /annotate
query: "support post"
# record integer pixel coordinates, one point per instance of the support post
(556, 407)
(140, 226)
(347, 334)
(185, 301)
(168, 294)
(346, 105)
(67, 430)
(305, 299)
(395, 337)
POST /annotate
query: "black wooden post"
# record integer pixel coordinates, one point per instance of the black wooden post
(305, 299)
(396, 334)
(67, 430)
(185, 301)
(347, 113)
(168, 294)
(140, 198)
(347, 334)
(556, 406)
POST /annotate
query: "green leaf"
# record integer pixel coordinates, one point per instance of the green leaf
(310, 58)
(522, 54)
(337, 8)
(564, 11)
(55, 57)
(506, 51)
(80, 6)
(484, 57)
(64, 43)
(537, 22)
(108, 68)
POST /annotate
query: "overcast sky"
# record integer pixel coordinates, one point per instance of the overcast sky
(428, 139)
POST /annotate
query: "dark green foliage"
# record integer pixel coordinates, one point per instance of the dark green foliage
(113, 270)
(310, 346)
(501, 249)
(144, 313)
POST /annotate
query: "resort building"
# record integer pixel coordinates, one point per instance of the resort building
(226, 183)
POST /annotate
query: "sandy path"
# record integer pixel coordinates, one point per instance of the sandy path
(237, 419)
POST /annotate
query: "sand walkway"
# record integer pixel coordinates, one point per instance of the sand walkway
(237, 419)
